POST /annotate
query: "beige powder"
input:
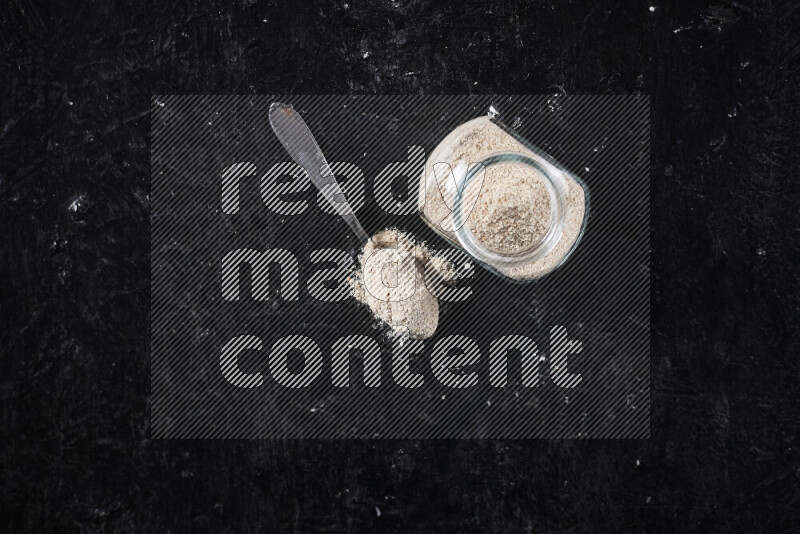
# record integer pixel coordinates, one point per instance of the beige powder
(573, 225)
(512, 210)
(394, 286)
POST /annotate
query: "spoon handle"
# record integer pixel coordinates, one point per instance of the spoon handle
(298, 141)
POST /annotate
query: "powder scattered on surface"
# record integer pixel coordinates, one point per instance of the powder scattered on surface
(391, 281)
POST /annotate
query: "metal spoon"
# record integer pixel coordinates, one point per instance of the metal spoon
(296, 138)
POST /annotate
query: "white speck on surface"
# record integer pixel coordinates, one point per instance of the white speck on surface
(638, 462)
(77, 204)
(586, 169)
(652, 9)
(761, 252)
(366, 54)
(377, 511)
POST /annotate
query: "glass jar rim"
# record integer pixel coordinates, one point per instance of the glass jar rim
(556, 186)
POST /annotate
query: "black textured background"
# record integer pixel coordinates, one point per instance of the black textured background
(74, 177)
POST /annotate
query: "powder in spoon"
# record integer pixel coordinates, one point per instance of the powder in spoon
(392, 282)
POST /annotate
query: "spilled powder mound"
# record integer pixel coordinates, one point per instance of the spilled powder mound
(391, 280)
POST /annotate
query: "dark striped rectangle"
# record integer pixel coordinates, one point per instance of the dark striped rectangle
(225, 191)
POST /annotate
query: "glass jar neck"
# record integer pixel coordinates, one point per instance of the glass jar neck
(553, 180)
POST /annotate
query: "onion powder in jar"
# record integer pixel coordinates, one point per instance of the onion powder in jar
(510, 206)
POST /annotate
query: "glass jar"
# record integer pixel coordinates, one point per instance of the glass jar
(508, 205)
